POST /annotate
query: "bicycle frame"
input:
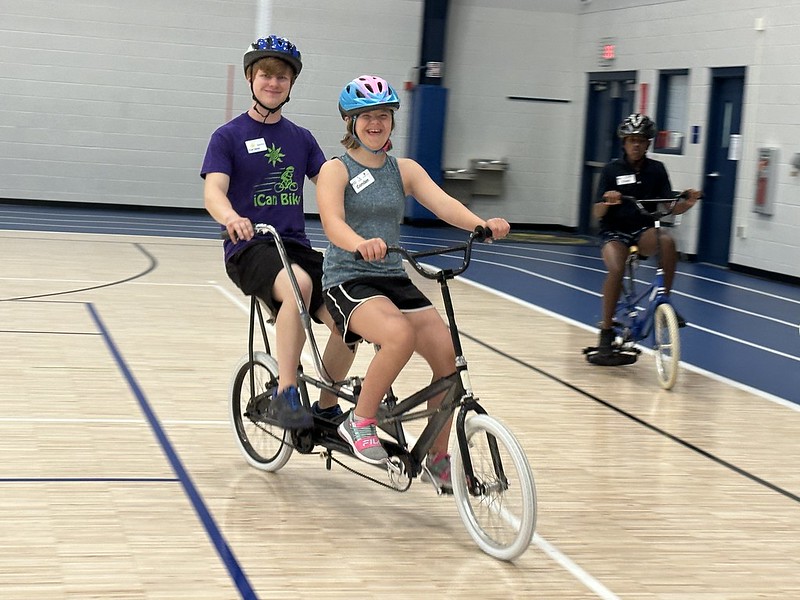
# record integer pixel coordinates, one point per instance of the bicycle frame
(460, 389)
(634, 321)
(393, 412)
(492, 482)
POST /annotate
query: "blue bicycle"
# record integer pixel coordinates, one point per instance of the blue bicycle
(645, 308)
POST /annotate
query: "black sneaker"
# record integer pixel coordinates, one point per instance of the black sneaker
(681, 320)
(332, 413)
(288, 410)
(604, 347)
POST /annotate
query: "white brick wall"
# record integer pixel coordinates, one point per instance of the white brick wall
(113, 101)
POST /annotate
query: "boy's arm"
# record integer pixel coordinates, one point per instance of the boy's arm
(216, 202)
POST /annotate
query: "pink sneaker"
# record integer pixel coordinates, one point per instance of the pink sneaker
(363, 438)
(437, 468)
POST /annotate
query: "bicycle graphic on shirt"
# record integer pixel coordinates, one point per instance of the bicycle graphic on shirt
(286, 181)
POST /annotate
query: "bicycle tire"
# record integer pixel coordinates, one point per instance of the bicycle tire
(667, 345)
(263, 445)
(502, 518)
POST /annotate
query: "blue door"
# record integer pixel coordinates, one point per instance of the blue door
(610, 99)
(723, 150)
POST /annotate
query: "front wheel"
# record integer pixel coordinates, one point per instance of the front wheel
(501, 517)
(265, 446)
(667, 345)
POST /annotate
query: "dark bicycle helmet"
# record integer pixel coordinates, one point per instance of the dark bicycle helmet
(637, 124)
(275, 46)
(367, 93)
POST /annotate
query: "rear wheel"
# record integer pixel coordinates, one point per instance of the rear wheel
(667, 345)
(501, 518)
(264, 445)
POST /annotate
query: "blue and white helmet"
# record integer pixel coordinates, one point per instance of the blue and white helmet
(276, 47)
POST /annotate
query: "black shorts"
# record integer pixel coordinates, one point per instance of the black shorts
(255, 268)
(627, 239)
(343, 299)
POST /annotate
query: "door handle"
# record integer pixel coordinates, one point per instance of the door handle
(714, 174)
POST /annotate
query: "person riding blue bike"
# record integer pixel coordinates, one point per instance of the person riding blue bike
(622, 225)
(254, 170)
(361, 197)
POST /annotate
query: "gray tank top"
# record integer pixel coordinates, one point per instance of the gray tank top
(376, 211)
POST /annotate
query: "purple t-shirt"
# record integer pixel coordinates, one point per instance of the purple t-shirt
(267, 166)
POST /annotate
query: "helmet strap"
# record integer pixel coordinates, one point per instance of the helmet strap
(270, 111)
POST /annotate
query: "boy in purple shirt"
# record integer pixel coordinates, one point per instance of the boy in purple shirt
(254, 170)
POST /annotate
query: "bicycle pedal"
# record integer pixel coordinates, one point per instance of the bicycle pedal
(394, 468)
(398, 476)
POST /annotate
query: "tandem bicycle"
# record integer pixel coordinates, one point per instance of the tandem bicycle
(492, 480)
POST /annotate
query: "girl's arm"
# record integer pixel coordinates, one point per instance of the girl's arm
(418, 183)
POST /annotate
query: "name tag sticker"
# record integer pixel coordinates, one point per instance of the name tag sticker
(258, 145)
(626, 179)
(362, 180)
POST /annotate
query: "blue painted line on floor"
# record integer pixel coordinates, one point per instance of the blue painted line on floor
(221, 546)
(731, 309)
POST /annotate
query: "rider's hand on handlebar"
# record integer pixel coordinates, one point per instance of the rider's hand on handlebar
(372, 249)
(239, 228)
(691, 196)
(612, 198)
(499, 228)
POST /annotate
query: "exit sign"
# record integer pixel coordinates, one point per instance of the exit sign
(608, 51)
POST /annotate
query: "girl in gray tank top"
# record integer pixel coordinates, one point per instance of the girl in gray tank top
(376, 211)
(361, 199)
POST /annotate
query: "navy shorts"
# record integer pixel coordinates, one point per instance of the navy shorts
(343, 299)
(255, 268)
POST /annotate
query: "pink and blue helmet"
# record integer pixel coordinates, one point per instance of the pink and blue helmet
(367, 92)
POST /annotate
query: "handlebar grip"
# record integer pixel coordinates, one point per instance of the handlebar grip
(389, 249)
(259, 229)
(482, 233)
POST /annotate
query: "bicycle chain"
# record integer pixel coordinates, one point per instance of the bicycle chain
(328, 455)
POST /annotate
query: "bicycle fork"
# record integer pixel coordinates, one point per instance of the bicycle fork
(475, 487)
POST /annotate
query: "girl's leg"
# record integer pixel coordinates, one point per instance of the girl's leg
(336, 357)
(379, 321)
(434, 344)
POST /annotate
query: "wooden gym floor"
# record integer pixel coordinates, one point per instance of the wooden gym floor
(120, 478)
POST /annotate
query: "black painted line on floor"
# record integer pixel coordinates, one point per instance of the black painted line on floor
(638, 420)
(151, 267)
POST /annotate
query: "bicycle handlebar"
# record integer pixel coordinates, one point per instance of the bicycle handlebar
(258, 228)
(480, 234)
(658, 213)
